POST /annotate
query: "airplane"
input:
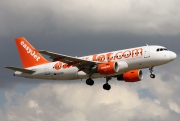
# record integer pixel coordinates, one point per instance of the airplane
(124, 65)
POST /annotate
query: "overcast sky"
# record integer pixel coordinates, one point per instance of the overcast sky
(84, 27)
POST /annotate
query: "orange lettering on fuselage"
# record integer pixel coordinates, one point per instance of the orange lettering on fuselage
(66, 66)
(58, 65)
(137, 51)
(94, 57)
(101, 58)
(118, 55)
(108, 56)
(127, 54)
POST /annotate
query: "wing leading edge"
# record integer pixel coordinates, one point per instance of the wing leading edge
(80, 63)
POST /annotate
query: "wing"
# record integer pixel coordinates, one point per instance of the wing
(80, 63)
(20, 69)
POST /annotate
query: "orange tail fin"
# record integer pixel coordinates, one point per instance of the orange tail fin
(28, 54)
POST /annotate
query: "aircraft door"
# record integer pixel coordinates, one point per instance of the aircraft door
(146, 52)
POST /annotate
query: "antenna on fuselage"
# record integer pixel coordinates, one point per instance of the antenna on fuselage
(147, 45)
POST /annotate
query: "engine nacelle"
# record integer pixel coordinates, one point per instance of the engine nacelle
(131, 76)
(122, 65)
(108, 68)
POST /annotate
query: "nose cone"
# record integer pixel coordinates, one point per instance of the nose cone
(173, 55)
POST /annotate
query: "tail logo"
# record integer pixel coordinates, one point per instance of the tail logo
(30, 51)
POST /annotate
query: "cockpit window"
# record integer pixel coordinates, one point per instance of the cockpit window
(161, 49)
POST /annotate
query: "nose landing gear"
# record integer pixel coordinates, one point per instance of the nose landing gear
(151, 74)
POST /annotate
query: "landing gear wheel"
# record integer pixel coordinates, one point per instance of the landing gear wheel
(152, 76)
(106, 86)
(89, 82)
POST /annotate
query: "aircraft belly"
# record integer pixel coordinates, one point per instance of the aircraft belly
(65, 74)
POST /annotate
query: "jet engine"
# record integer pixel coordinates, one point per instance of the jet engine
(108, 68)
(131, 76)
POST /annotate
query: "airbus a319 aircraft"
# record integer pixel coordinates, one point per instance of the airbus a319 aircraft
(122, 64)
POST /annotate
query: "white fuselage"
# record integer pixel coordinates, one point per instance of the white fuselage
(136, 58)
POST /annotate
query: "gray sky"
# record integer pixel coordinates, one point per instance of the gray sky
(78, 28)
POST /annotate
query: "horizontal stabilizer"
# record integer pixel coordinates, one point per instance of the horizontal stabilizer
(20, 69)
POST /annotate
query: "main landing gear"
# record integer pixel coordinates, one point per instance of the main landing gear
(106, 86)
(151, 74)
(89, 82)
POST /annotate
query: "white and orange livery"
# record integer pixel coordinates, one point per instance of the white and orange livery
(122, 64)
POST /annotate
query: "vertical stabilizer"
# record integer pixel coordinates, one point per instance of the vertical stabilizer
(28, 54)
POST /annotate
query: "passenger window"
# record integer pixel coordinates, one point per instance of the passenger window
(161, 49)
(158, 49)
